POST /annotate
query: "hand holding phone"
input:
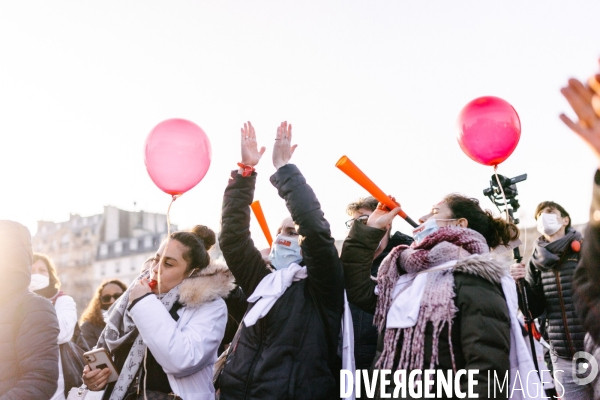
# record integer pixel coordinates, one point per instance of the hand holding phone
(99, 362)
(95, 379)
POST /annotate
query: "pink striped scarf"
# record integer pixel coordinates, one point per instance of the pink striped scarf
(437, 304)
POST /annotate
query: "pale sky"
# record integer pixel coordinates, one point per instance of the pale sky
(82, 84)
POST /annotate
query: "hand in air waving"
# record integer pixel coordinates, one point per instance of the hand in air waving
(250, 153)
(282, 149)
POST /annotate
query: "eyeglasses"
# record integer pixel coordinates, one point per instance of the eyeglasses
(362, 218)
(106, 298)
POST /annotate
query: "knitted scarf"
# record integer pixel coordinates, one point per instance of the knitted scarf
(121, 330)
(437, 305)
(547, 255)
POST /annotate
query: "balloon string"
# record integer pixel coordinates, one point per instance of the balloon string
(502, 191)
(506, 207)
(162, 257)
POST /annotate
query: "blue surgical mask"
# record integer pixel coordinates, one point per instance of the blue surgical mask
(427, 228)
(285, 251)
(424, 230)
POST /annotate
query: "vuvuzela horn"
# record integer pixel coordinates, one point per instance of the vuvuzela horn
(260, 217)
(350, 169)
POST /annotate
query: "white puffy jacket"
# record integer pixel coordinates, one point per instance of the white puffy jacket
(187, 348)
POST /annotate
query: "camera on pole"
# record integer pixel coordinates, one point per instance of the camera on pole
(494, 193)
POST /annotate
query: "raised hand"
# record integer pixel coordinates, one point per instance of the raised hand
(140, 288)
(282, 149)
(250, 153)
(582, 99)
(382, 217)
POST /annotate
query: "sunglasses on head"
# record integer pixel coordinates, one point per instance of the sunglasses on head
(106, 298)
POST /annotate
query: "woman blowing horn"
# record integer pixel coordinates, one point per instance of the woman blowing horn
(441, 303)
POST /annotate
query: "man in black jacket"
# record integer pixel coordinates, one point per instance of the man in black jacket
(28, 324)
(365, 333)
(548, 285)
(290, 350)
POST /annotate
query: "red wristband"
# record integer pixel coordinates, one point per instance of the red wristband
(248, 170)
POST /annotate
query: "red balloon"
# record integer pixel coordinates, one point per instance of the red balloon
(177, 155)
(489, 130)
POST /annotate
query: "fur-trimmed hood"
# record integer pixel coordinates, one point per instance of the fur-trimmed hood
(483, 266)
(212, 282)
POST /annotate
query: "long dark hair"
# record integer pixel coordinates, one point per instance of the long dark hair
(93, 311)
(197, 241)
(496, 231)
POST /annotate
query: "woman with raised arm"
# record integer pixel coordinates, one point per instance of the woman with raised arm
(164, 339)
(287, 346)
(441, 303)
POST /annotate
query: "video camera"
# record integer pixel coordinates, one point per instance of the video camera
(510, 192)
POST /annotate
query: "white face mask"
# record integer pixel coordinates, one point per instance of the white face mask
(424, 230)
(38, 281)
(548, 224)
(104, 315)
(285, 251)
(427, 228)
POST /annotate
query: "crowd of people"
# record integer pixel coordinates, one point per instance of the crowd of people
(283, 323)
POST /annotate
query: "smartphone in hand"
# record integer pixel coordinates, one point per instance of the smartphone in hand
(100, 359)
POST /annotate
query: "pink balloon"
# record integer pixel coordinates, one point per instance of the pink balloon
(177, 155)
(489, 130)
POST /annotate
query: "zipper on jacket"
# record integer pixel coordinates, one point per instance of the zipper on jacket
(255, 361)
(564, 314)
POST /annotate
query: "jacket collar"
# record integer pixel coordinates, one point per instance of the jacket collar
(547, 255)
(213, 282)
(483, 266)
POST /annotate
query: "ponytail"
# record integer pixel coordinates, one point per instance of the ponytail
(495, 230)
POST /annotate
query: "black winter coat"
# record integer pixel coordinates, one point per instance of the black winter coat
(365, 333)
(91, 333)
(291, 353)
(480, 336)
(236, 307)
(28, 348)
(550, 290)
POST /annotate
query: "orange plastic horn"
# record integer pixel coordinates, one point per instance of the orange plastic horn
(350, 169)
(260, 217)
